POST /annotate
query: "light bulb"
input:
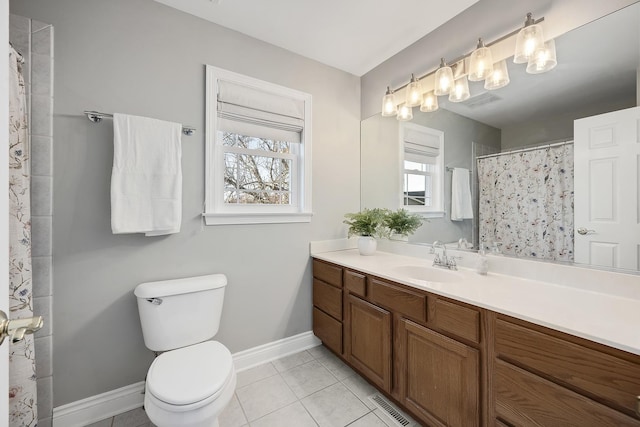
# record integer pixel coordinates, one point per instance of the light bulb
(405, 113)
(444, 79)
(460, 91)
(543, 59)
(528, 40)
(480, 63)
(389, 107)
(430, 103)
(414, 92)
(499, 77)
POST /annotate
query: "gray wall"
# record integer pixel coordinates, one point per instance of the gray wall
(140, 57)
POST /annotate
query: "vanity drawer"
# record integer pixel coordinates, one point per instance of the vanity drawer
(327, 298)
(327, 273)
(524, 399)
(328, 329)
(403, 301)
(607, 375)
(459, 320)
(355, 283)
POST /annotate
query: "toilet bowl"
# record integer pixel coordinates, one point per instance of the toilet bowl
(194, 379)
(190, 386)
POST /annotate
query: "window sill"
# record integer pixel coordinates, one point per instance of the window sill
(438, 214)
(255, 218)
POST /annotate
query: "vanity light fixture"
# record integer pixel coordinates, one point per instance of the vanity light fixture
(414, 92)
(389, 107)
(543, 59)
(429, 103)
(405, 113)
(454, 80)
(460, 91)
(529, 39)
(480, 62)
(444, 79)
(499, 77)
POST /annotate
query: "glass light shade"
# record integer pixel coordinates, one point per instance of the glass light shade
(429, 103)
(543, 59)
(389, 107)
(443, 79)
(499, 77)
(480, 63)
(405, 113)
(460, 91)
(529, 39)
(414, 92)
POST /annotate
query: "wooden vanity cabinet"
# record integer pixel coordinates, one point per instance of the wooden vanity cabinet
(368, 340)
(543, 377)
(441, 377)
(327, 304)
(453, 364)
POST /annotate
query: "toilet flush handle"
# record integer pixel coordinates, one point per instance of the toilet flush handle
(155, 301)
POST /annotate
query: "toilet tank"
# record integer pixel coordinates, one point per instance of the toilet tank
(181, 312)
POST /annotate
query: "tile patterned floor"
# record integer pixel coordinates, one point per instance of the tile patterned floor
(311, 388)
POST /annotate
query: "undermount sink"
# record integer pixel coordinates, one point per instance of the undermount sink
(428, 274)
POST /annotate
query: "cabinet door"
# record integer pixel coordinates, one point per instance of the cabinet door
(442, 382)
(368, 345)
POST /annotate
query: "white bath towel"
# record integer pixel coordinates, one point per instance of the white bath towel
(461, 207)
(146, 181)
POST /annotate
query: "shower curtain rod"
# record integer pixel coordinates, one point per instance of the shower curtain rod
(96, 117)
(522, 150)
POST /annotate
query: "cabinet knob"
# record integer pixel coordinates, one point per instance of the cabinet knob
(638, 406)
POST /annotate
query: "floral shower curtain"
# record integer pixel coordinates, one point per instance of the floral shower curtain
(526, 202)
(22, 367)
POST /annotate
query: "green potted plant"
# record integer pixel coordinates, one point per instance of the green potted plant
(369, 225)
(401, 223)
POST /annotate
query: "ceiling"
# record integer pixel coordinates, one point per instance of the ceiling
(351, 35)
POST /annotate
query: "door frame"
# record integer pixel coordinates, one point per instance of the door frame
(4, 201)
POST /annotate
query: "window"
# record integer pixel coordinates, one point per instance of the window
(258, 166)
(422, 169)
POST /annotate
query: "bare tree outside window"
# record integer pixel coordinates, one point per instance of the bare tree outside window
(257, 170)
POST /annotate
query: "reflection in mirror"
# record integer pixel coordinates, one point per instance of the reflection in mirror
(597, 73)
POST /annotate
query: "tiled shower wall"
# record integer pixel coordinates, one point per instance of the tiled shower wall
(34, 40)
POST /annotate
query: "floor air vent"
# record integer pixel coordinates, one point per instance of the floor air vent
(390, 410)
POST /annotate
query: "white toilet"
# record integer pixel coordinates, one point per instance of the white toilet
(194, 379)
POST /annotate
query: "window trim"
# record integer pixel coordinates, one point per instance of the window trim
(215, 212)
(437, 211)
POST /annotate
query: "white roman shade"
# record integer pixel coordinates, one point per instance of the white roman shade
(421, 147)
(254, 112)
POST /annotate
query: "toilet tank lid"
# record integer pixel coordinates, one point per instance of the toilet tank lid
(165, 288)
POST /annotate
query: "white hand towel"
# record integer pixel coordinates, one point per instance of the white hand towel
(146, 181)
(461, 207)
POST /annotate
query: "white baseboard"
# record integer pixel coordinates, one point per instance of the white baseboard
(114, 402)
(95, 408)
(274, 350)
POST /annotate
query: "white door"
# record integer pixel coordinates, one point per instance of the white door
(607, 205)
(4, 203)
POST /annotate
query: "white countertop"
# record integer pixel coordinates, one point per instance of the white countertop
(606, 318)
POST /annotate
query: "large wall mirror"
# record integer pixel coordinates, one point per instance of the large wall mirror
(597, 72)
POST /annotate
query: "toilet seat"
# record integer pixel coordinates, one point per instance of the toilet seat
(190, 377)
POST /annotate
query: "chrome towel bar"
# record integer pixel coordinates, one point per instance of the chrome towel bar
(96, 117)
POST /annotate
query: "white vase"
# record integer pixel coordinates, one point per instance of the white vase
(367, 245)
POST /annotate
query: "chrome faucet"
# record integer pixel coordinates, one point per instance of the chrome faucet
(445, 261)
